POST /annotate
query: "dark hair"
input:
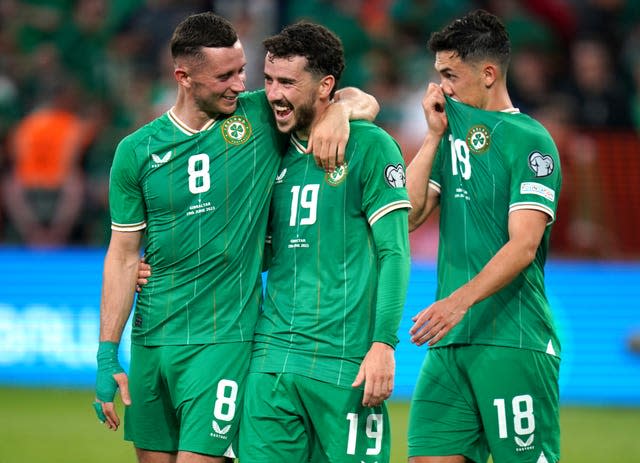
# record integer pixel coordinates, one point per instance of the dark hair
(321, 47)
(478, 35)
(201, 30)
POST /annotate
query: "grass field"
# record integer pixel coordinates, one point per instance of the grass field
(59, 426)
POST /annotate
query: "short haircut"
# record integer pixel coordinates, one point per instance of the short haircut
(321, 47)
(476, 36)
(200, 30)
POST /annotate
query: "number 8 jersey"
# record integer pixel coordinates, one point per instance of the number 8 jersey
(489, 164)
(203, 198)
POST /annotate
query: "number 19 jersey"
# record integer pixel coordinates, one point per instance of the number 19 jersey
(320, 302)
(490, 164)
(203, 198)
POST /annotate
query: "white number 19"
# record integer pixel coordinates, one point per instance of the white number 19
(305, 199)
(371, 433)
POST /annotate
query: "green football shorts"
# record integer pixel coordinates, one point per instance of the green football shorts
(473, 400)
(186, 397)
(290, 417)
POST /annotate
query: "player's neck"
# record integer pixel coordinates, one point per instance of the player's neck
(498, 100)
(189, 115)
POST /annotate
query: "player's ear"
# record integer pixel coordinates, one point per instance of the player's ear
(490, 74)
(182, 76)
(326, 85)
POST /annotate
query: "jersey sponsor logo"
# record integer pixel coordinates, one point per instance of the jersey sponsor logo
(394, 176)
(533, 188)
(337, 176)
(218, 431)
(541, 164)
(524, 443)
(159, 160)
(478, 139)
(236, 130)
(280, 176)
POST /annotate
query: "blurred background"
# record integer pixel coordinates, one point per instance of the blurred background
(78, 75)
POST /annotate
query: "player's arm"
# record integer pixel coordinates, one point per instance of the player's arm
(357, 104)
(329, 136)
(526, 228)
(118, 286)
(424, 199)
(391, 236)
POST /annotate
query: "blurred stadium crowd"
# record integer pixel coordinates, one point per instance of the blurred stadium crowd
(78, 75)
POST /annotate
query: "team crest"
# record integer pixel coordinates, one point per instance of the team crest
(541, 164)
(337, 176)
(236, 130)
(395, 176)
(478, 139)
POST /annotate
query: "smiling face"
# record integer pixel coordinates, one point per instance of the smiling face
(215, 81)
(292, 92)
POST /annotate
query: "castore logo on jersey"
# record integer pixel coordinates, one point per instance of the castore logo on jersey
(158, 160)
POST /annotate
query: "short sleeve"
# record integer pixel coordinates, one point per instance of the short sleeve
(536, 176)
(383, 177)
(126, 202)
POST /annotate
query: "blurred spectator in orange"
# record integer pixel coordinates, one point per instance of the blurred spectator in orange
(43, 192)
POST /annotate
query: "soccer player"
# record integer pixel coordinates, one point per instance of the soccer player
(489, 383)
(323, 357)
(198, 182)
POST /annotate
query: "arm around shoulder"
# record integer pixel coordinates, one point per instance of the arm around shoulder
(357, 104)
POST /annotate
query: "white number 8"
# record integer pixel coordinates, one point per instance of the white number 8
(226, 396)
(199, 169)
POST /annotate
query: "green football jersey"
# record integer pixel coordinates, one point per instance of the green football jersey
(320, 301)
(491, 163)
(203, 198)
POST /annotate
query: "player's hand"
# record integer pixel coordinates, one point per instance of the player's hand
(144, 272)
(434, 322)
(376, 371)
(433, 103)
(329, 136)
(110, 377)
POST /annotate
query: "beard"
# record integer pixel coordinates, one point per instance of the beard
(304, 117)
(305, 113)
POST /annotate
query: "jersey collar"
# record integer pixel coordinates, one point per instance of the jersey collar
(184, 127)
(299, 145)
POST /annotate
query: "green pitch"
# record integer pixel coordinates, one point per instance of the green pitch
(59, 426)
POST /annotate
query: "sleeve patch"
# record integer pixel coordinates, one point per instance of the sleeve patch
(541, 164)
(395, 176)
(533, 188)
